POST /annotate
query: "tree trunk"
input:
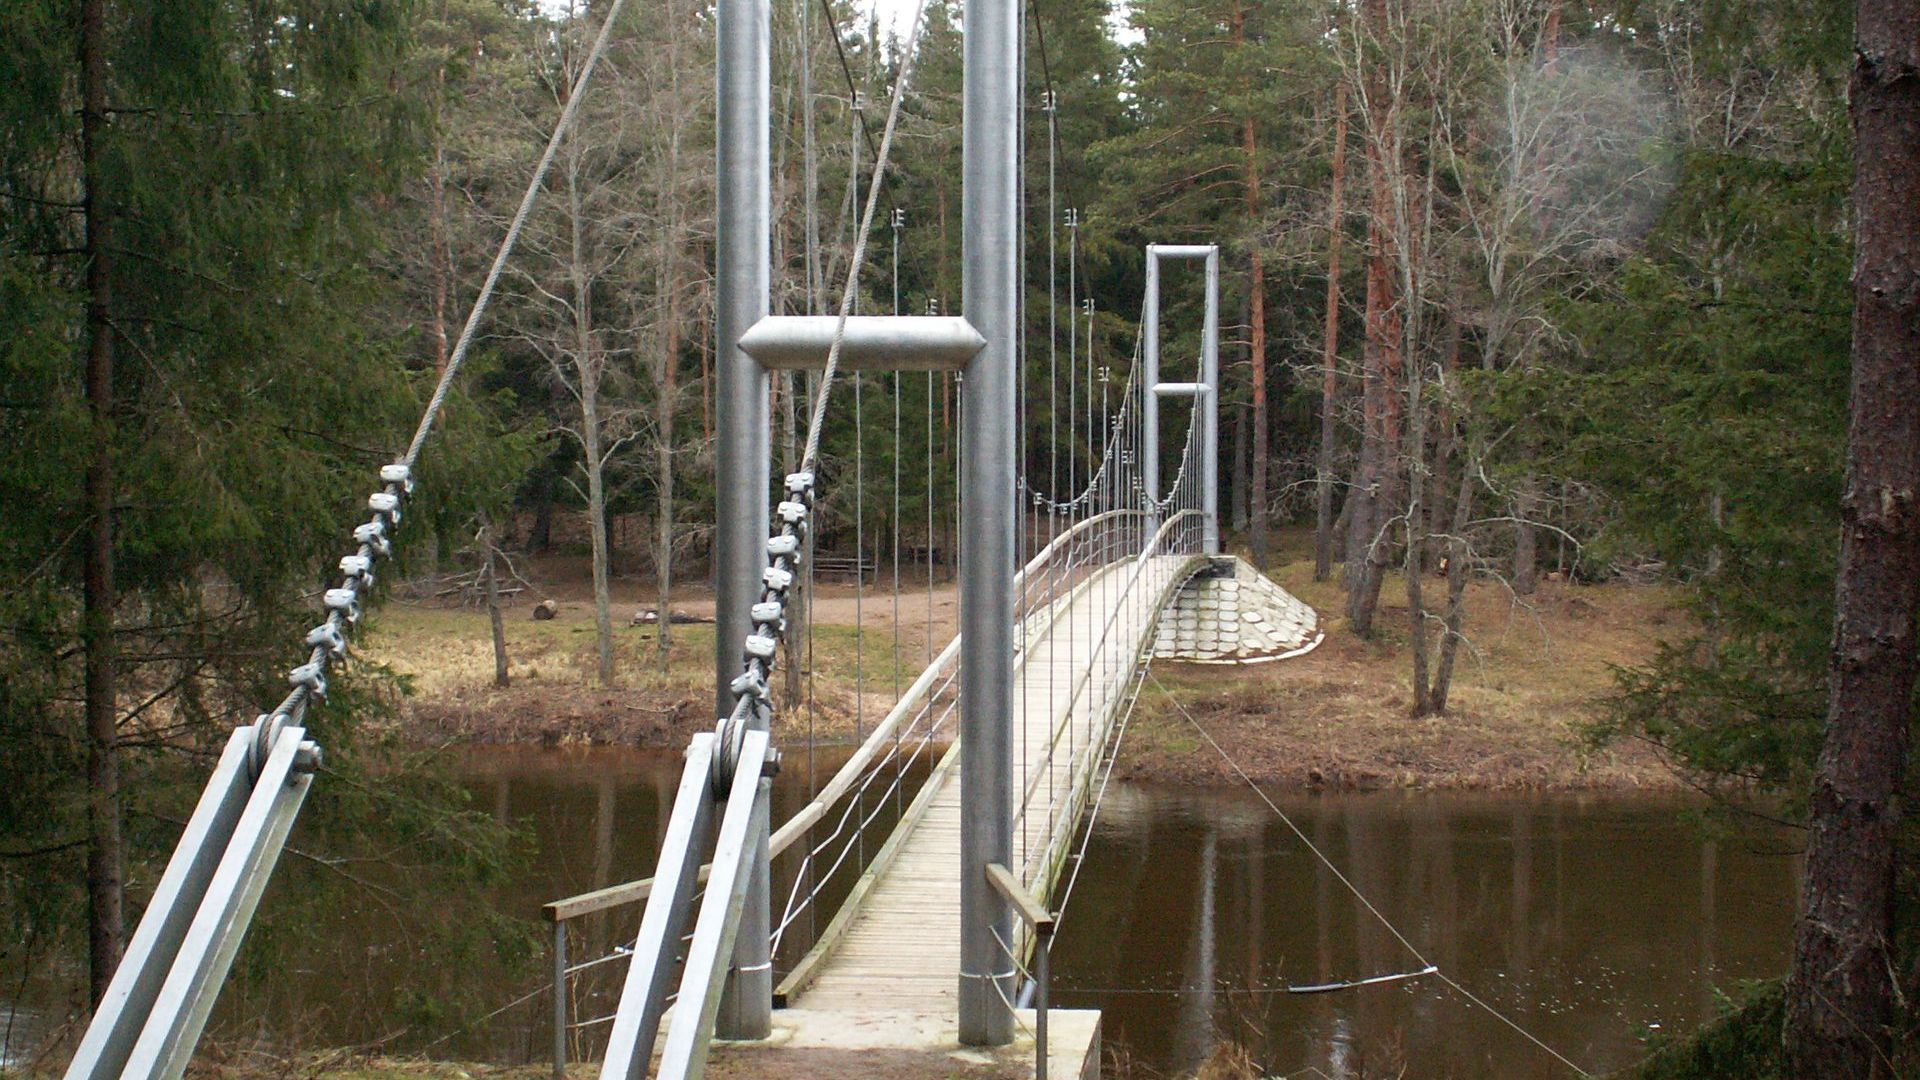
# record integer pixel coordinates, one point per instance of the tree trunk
(1458, 552)
(665, 382)
(1526, 541)
(440, 259)
(663, 458)
(1367, 542)
(1330, 348)
(1257, 317)
(597, 525)
(1840, 992)
(588, 363)
(494, 622)
(663, 407)
(1237, 483)
(1257, 450)
(105, 857)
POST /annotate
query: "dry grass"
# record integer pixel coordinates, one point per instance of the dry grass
(1337, 717)
(446, 655)
(1341, 715)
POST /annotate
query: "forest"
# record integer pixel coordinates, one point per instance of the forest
(1518, 295)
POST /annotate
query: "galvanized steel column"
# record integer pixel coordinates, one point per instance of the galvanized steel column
(742, 258)
(1207, 409)
(989, 297)
(1150, 378)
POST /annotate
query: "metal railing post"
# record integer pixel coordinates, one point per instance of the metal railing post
(743, 451)
(990, 156)
(559, 999)
(1043, 975)
(1040, 922)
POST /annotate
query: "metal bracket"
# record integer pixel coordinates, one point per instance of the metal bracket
(643, 998)
(1182, 389)
(157, 1004)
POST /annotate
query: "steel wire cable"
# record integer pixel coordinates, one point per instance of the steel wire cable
(327, 641)
(1354, 890)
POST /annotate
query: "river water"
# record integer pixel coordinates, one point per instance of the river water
(1590, 921)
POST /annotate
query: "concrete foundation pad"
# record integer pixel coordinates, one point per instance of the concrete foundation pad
(899, 1044)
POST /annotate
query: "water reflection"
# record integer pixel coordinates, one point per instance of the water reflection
(1587, 919)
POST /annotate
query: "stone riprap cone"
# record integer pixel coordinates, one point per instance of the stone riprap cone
(1236, 616)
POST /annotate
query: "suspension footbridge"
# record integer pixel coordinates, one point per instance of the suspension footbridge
(1008, 732)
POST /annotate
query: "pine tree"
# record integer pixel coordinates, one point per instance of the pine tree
(186, 221)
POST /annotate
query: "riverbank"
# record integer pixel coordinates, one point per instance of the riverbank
(1534, 671)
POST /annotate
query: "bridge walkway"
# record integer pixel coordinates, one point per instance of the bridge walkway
(895, 946)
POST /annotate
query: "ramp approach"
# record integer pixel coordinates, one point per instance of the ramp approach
(1070, 547)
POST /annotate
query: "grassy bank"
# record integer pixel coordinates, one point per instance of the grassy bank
(1531, 674)
(553, 697)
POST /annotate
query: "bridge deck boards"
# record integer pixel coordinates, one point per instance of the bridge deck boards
(901, 953)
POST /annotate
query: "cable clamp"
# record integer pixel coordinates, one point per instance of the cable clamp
(748, 684)
(327, 636)
(784, 544)
(800, 483)
(762, 646)
(373, 535)
(344, 601)
(776, 578)
(791, 512)
(386, 504)
(397, 473)
(313, 676)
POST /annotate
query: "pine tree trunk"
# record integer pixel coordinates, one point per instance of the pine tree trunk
(1330, 348)
(1841, 991)
(1367, 543)
(1526, 541)
(106, 859)
(1237, 482)
(1257, 354)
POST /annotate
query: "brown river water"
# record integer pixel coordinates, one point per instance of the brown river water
(1590, 921)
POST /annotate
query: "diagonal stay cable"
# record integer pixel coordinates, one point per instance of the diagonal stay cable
(485, 297)
(1355, 890)
(327, 641)
(852, 288)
